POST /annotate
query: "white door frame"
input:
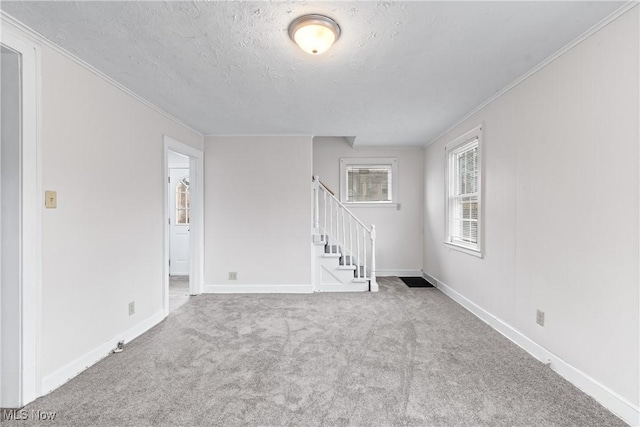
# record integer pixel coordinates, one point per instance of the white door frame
(32, 202)
(196, 223)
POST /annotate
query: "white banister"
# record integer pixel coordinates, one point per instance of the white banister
(331, 221)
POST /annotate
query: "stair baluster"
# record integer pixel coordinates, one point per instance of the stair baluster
(324, 196)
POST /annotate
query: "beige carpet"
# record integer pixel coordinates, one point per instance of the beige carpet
(400, 357)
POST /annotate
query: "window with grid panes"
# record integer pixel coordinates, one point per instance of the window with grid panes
(464, 192)
(370, 181)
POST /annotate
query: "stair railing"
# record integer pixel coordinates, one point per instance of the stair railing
(345, 233)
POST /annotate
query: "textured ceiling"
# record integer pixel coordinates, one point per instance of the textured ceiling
(400, 74)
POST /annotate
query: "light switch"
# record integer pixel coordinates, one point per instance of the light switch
(50, 199)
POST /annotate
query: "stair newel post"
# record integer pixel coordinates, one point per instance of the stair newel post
(358, 248)
(337, 228)
(350, 243)
(316, 205)
(373, 284)
(364, 250)
(344, 236)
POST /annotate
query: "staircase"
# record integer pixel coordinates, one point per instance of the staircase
(344, 255)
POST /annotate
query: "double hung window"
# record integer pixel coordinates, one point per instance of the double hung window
(463, 205)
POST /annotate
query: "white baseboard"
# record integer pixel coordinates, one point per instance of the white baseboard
(64, 374)
(430, 279)
(258, 289)
(608, 398)
(399, 273)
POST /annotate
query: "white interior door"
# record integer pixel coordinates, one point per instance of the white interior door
(179, 221)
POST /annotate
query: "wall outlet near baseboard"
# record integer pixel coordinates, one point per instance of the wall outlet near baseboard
(132, 308)
(233, 275)
(540, 317)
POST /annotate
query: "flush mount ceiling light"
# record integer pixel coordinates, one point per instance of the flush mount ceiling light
(314, 33)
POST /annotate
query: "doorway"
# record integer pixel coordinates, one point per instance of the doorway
(179, 223)
(184, 224)
(20, 222)
(10, 231)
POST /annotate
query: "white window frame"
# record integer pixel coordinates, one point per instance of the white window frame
(451, 149)
(371, 162)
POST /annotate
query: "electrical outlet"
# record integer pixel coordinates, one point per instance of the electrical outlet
(132, 307)
(540, 317)
(233, 275)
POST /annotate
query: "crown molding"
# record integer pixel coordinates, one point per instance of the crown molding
(34, 36)
(261, 135)
(575, 42)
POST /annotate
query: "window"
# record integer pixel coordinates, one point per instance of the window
(464, 222)
(182, 202)
(368, 180)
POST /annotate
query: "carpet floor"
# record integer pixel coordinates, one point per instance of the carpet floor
(400, 357)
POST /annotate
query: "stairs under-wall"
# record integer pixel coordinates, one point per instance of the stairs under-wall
(335, 271)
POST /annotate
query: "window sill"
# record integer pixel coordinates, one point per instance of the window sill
(468, 251)
(372, 205)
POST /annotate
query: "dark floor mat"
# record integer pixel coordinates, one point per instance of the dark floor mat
(416, 282)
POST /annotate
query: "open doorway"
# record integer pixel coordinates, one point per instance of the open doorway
(10, 319)
(20, 222)
(179, 228)
(184, 224)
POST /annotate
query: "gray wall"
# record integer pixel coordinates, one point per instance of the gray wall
(103, 246)
(258, 213)
(560, 209)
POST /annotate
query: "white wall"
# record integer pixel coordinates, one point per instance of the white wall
(561, 209)
(399, 239)
(103, 246)
(258, 213)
